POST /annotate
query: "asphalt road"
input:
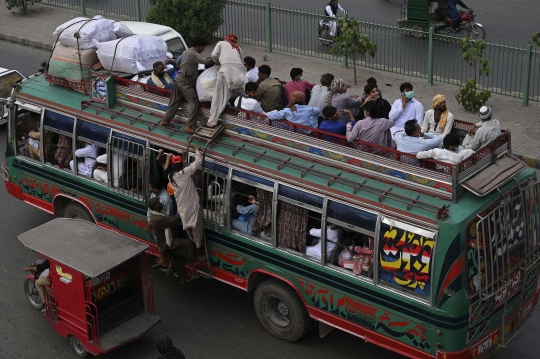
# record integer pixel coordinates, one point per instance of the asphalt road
(205, 318)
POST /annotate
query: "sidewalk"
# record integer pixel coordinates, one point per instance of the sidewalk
(35, 29)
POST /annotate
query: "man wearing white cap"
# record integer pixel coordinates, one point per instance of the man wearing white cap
(483, 132)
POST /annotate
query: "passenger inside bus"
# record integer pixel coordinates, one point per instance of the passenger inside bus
(88, 155)
(100, 169)
(28, 127)
(332, 235)
(247, 216)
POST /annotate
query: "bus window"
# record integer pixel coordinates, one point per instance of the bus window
(244, 207)
(405, 254)
(58, 146)
(298, 213)
(27, 133)
(92, 140)
(127, 165)
(215, 198)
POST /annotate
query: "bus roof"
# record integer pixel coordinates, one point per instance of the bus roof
(304, 170)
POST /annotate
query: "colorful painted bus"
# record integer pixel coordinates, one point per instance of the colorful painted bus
(427, 259)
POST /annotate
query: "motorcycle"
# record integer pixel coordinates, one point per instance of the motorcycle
(324, 33)
(474, 30)
(30, 290)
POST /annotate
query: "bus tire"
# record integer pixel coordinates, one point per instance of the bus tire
(281, 312)
(77, 211)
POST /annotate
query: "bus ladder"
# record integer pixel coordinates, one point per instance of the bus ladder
(206, 135)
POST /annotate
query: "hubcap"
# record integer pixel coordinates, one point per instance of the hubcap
(277, 312)
(77, 346)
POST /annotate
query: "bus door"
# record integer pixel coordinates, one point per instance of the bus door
(503, 260)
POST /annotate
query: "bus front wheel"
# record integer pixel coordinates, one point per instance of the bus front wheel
(77, 211)
(281, 311)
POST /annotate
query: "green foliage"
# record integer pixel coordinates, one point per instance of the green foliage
(469, 96)
(353, 43)
(21, 4)
(536, 39)
(189, 17)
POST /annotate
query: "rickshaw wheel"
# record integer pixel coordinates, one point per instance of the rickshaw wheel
(32, 294)
(77, 347)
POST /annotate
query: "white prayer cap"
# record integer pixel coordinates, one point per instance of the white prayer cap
(169, 55)
(485, 112)
(102, 159)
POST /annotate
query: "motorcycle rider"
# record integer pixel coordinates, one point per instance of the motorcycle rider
(43, 270)
(453, 14)
(331, 10)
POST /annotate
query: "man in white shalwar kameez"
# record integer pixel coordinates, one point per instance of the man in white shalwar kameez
(484, 132)
(231, 75)
(187, 198)
(89, 152)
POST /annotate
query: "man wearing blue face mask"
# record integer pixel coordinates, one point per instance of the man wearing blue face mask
(298, 83)
(452, 153)
(406, 108)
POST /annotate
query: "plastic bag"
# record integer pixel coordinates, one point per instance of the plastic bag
(133, 54)
(345, 255)
(87, 30)
(121, 30)
(206, 83)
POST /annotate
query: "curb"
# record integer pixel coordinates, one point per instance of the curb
(531, 161)
(21, 41)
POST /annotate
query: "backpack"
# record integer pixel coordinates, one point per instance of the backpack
(283, 93)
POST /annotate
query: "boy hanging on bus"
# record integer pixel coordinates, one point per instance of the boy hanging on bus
(187, 198)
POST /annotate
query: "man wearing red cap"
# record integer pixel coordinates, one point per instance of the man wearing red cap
(231, 75)
(187, 198)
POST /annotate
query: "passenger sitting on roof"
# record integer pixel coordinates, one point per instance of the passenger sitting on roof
(452, 152)
(89, 152)
(406, 108)
(297, 84)
(372, 128)
(297, 112)
(248, 102)
(484, 132)
(269, 91)
(160, 77)
(319, 93)
(100, 172)
(331, 117)
(374, 95)
(340, 100)
(247, 216)
(332, 233)
(438, 120)
(412, 140)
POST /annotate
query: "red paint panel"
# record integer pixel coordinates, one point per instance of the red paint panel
(39, 203)
(368, 335)
(232, 279)
(14, 190)
(453, 273)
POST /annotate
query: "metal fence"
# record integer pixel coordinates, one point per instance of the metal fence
(117, 9)
(516, 70)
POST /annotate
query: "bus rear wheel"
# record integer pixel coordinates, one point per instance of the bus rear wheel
(77, 211)
(280, 311)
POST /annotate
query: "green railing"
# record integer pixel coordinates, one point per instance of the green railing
(435, 57)
(134, 10)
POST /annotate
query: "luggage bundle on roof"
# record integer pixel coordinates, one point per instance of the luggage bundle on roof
(81, 42)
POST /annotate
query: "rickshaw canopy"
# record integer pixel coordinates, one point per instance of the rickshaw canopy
(81, 245)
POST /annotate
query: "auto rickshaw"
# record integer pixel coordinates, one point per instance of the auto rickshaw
(420, 15)
(100, 295)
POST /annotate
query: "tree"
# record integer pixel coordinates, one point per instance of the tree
(353, 43)
(189, 17)
(469, 96)
(21, 4)
(536, 39)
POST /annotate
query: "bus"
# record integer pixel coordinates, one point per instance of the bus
(425, 258)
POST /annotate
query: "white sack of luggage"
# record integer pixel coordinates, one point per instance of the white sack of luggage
(206, 83)
(132, 54)
(101, 30)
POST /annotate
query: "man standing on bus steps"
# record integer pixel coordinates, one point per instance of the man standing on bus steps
(187, 198)
(155, 186)
(184, 84)
(178, 250)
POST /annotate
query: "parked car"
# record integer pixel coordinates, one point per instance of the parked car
(7, 78)
(175, 41)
